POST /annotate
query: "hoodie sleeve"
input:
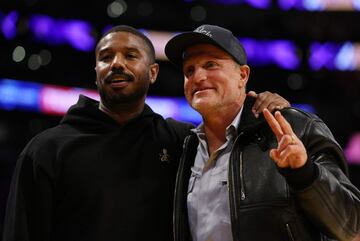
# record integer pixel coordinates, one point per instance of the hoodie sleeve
(30, 203)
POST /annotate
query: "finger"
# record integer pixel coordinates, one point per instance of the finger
(284, 142)
(284, 124)
(278, 100)
(254, 108)
(275, 106)
(258, 102)
(273, 123)
(252, 94)
(264, 103)
(271, 101)
(289, 150)
(275, 156)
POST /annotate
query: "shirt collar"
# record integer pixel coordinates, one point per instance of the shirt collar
(230, 129)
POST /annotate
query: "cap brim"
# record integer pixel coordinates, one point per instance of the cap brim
(176, 46)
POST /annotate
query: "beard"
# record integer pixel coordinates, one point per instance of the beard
(110, 98)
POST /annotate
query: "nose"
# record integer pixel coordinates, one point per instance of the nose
(118, 62)
(199, 75)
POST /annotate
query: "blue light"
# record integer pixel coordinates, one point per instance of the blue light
(19, 95)
(344, 60)
(29, 96)
(313, 5)
(356, 4)
(8, 25)
(305, 107)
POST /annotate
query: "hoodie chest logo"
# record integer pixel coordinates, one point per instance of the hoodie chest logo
(164, 156)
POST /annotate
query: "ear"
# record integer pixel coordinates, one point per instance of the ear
(153, 72)
(244, 75)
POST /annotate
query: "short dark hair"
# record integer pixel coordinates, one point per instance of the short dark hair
(129, 29)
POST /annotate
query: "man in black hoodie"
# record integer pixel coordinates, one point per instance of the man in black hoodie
(107, 171)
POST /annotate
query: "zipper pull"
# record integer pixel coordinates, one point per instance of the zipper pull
(242, 195)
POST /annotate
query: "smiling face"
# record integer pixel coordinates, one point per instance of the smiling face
(124, 69)
(214, 82)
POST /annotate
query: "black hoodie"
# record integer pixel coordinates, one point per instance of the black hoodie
(90, 178)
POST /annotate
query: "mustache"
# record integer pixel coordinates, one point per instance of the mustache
(117, 74)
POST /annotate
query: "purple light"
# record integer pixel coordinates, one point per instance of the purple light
(288, 4)
(280, 52)
(78, 34)
(322, 55)
(250, 46)
(45, 29)
(74, 32)
(352, 150)
(227, 2)
(254, 3)
(256, 52)
(259, 3)
(284, 54)
(8, 25)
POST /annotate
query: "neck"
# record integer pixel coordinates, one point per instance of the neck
(215, 127)
(122, 113)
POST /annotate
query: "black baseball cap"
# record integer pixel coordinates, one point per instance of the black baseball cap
(205, 34)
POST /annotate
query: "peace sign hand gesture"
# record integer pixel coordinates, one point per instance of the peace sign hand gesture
(290, 152)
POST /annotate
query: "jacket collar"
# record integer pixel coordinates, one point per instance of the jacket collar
(248, 120)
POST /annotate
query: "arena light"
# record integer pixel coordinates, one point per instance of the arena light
(56, 100)
(352, 149)
(52, 31)
(8, 24)
(302, 5)
(334, 56)
(282, 53)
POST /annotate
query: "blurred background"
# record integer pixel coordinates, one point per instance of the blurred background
(306, 50)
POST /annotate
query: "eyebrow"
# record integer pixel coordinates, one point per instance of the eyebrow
(109, 49)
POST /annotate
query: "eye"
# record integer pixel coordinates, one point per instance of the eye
(210, 64)
(188, 71)
(131, 55)
(105, 57)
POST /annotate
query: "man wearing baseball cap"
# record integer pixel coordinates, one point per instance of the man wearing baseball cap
(281, 176)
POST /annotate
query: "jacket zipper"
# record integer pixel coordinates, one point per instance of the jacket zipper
(242, 188)
(232, 196)
(288, 229)
(178, 235)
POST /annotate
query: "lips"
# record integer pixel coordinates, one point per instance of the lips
(199, 89)
(119, 78)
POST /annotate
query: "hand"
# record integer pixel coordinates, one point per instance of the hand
(290, 152)
(268, 100)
